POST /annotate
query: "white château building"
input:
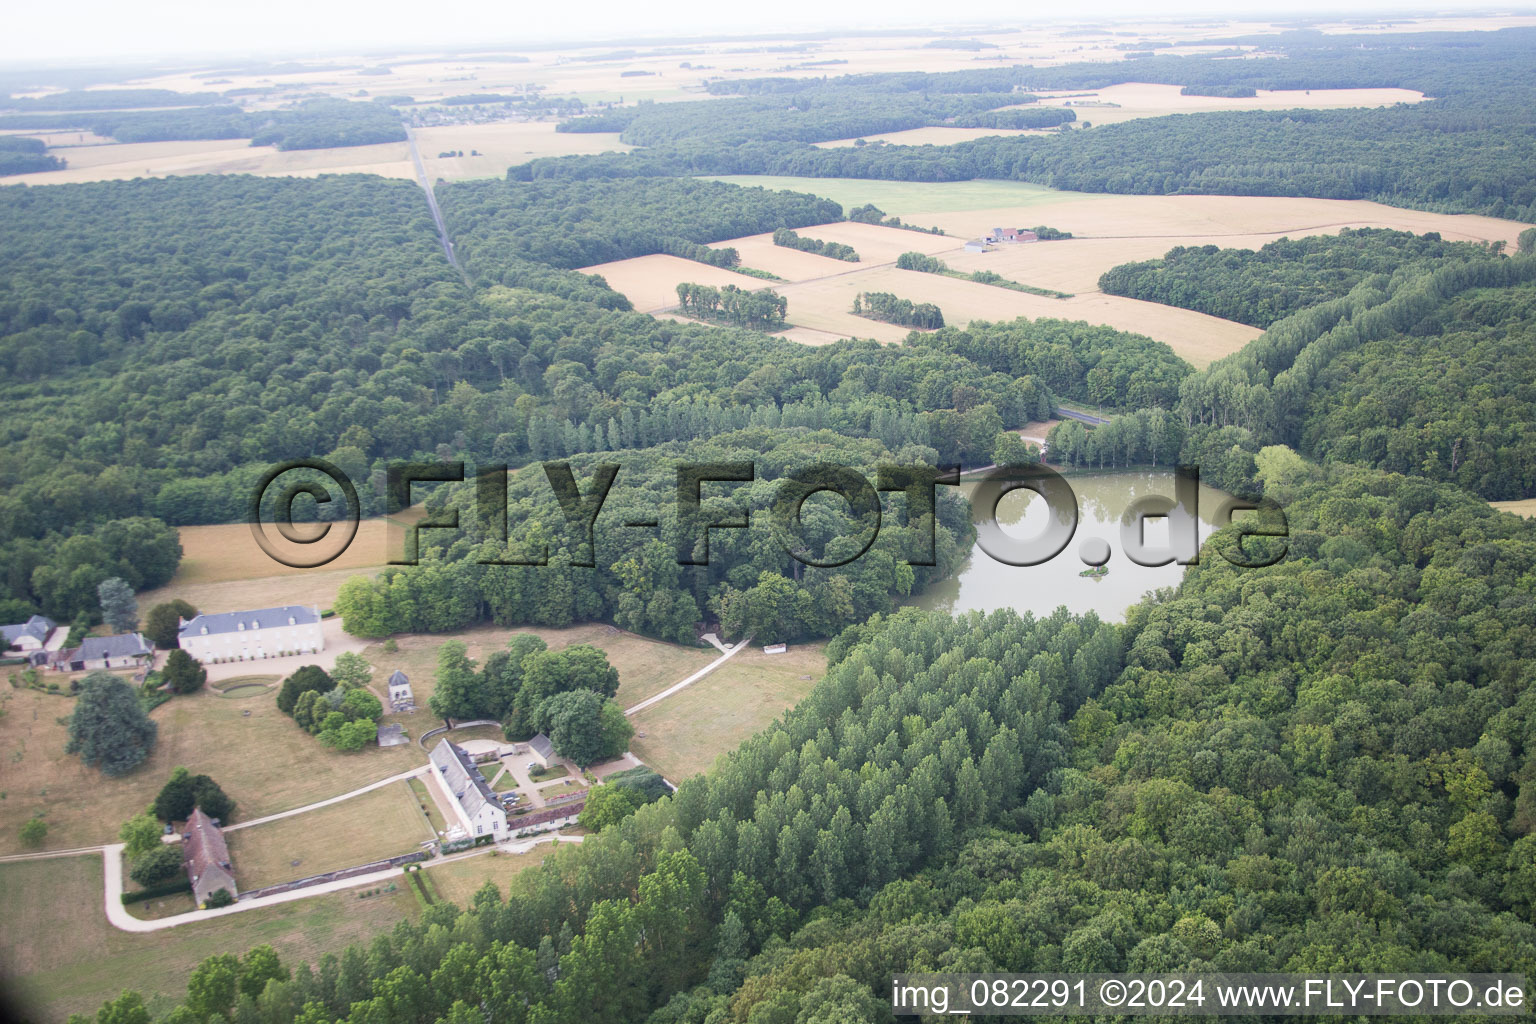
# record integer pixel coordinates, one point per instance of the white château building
(247, 636)
(479, 809)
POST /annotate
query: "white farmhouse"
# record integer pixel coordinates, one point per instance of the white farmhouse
(31, 635)
(479, 808)
(245, 636)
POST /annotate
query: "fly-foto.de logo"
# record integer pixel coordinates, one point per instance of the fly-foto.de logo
(318, 539)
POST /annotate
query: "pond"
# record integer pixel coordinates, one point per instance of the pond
(985, 584)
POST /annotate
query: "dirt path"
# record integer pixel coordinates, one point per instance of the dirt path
(700, 674)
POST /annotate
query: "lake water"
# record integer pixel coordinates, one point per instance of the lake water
(986, 584)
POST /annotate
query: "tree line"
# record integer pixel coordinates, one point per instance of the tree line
(833, 250)
(893, 309)
(759, 310)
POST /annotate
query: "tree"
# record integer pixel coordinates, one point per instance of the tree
(163, 622)
(584, 726)
(340, 734)
(109, 727)
(219, 898)
(457, 695)
(609, 805)
(260, 966)
(182, 674)
(351, 670)
(157, 865)
(33, 831)
(1525, 242)
(118, 608)
(1011, 450)
(214, 984)
(309, 677)
(140, 834)
(184, 791)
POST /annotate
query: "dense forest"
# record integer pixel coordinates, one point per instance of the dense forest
(1463, 152)
(1282, 277)
(21, 155)
(161, 381)
(1321, 766)
(313, 124)
(1317, 766)
(1424, 370)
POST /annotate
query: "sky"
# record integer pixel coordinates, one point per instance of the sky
(89, 30)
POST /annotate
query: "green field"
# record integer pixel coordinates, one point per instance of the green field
(899, 198)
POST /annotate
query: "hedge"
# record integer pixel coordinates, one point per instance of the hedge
(170, 888)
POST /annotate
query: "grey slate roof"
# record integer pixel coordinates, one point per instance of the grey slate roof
(466, 783)
(124, 645)
(398, 678)
(262, 618)
(540, 745)
(37, 626)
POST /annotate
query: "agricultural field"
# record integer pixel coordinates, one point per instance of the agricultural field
(650, 282)
(499, 146)
(646, 666)
(371, 826)
(933, 135)
(1139, 99)
(684, 734)
(61, 956)
(1521, 507)
(223, 568)
(825, 304)
(966, 209)
(262, 760)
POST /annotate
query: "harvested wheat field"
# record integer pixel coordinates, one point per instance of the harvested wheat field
(825, 305)
(650, 282)
(1519, 506)
(874, 244)
(217, 156)
(1140, 99)
(810, 336)
(502, 145)
(934, 135)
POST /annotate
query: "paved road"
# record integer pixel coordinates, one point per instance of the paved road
(1081, 417)
(700, 674)
(120, 918)
(426, 186)
(45, 854)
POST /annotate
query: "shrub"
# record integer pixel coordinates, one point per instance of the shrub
(156, 866)
(34, 831)
(219, 898)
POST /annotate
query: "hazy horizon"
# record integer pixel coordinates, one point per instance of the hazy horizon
(94, 30)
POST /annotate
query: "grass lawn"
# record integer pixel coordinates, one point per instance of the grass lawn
(263, 761)
(225, 685)
(58, 954)
(684, 734)
(457, 880)
(424, 799)
(554, 771)
(645, 666)
(373, 826)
